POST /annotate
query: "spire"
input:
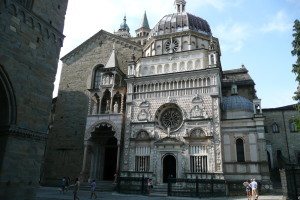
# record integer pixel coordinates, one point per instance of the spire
(112, 61)
(180, 5)
(144, 22)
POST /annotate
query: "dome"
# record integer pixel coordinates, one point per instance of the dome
(237, 103)
(124, 26)
(178, 22)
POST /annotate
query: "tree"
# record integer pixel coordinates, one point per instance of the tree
(296, 66)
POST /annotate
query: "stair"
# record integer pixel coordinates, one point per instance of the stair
(159, 190)
(101, 186)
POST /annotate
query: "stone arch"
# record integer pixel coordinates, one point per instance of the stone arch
(105, 102)
(166, 68)
(182, 66)
(92, 128)
(8, 104)
(174, 67)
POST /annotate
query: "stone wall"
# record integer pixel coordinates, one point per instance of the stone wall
(29, 51)
(284, 139)
(65, 144)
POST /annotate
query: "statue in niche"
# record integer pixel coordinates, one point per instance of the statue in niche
(107, 106)
(196, 112)
(94, 108)
(116, 107)
(111, 80)
(106, 80)
(205, 115)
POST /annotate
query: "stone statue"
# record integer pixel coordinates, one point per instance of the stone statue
(107, 105)
(116, 107)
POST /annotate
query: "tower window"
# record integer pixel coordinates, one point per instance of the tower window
(293, 126)
(275, 128)
(97, 78)
(240, 154)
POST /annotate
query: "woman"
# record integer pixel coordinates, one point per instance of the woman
(150, 185)
(248, 188)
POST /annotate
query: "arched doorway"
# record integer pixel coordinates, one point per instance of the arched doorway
(169, 167)
(105, 152)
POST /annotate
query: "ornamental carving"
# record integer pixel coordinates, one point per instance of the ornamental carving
(197, 133)
(142, 135)
(143, 115)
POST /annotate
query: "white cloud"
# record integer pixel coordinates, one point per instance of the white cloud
(231, 35)
(280, 22)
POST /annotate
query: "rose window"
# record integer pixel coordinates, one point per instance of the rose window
(171, 118)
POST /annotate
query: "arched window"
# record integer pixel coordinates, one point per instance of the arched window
(293, 126)
(240, 155)
(275, 128)
(97, 78)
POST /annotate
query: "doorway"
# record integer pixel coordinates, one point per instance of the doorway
(110, 159)
(169, 167)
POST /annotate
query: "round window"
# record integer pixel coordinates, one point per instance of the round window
(171, 118)
(172, 45)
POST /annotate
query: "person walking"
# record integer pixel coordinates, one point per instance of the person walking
(93, 189)
(68, 184)
(76, 188)
(248, 189)
(253, 186)
(63, 185)
(150, 185)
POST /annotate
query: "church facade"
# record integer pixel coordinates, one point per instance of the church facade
(157, 105)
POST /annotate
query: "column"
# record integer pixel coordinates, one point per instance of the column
(83, 173)
(122, 103)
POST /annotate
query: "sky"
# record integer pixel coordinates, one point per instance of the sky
(254, 33)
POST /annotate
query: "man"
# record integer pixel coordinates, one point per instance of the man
(253, 185)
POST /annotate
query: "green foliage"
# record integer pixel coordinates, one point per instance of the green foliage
(296, 52)
(297, 122)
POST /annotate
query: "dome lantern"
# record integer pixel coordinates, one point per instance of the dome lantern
(180, 5)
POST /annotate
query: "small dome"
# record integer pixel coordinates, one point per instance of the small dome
(179, 22)
(124, 26)
(237, 103)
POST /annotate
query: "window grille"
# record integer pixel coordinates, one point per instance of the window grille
(198, 164)
(142, 163)
(198, 159)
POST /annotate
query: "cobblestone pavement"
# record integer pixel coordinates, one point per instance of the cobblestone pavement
(50, 193)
